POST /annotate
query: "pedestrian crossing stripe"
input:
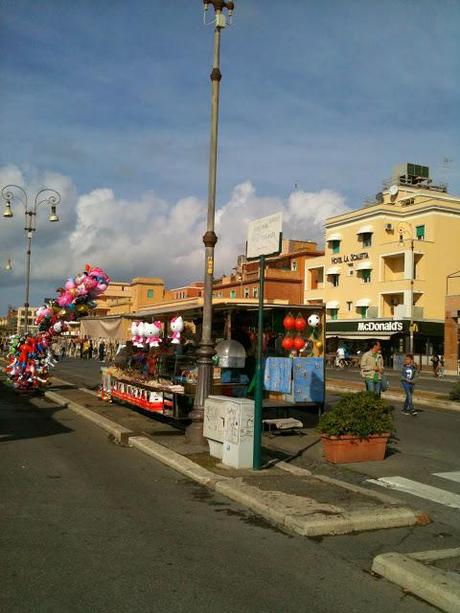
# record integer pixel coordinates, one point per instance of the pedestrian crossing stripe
(452, 476)
(421, 490)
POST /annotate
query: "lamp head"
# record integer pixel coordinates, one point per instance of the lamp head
(8, 212)
(53, 217)
(9, 265)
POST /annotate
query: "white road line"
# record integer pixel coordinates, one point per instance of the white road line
(419, 489)
(452, 476)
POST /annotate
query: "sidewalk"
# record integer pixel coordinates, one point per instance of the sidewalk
(291, 498)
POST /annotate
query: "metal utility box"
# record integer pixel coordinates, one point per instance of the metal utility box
(238, 444)
(214, 423)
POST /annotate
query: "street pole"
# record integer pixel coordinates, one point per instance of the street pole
(259, 391)
(205, 351)
(44, 196)
(411, 327)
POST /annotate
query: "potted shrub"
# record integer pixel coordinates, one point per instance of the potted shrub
(357, 428)
(454, 393)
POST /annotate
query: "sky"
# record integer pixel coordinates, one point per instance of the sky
(109, 103)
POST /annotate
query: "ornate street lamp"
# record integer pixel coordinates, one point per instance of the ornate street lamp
(48, 196)
(205, 351)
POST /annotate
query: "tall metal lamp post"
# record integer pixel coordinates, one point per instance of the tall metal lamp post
(48, 196)
(205, 351)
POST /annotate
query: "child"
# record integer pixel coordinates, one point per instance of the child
(408, 374)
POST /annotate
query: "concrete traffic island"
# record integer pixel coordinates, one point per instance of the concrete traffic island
(291, 498)
(419, 574)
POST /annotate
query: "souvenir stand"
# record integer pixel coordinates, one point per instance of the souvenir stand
(157, 372)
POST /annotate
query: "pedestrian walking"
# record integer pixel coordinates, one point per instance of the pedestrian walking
(101, 351)
(435, 363)
(63, 351)
(408, 375)
(372, 368)
(90, 349)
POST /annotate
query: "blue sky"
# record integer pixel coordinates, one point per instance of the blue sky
(114, 95)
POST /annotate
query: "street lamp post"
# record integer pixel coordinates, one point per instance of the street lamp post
(205, 351)
(48, 196)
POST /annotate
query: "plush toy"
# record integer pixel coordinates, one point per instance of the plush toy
(177, 326)
(153, 331)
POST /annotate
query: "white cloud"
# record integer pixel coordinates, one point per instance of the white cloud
(148, 235)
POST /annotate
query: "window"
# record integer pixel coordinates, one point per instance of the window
(150, 293)
(366, 275)
(334, 313)
(420, 232)
(349, 305)
(246, 292)
(255, 292)
(367, 239)
(232, 293)
(294, 265)
(363, 311)
(335, 246)
(335, 280)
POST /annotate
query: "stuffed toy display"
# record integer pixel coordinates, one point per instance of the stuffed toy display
(30, 357)
(177, 326)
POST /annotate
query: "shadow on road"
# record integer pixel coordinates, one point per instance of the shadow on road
(25, 416)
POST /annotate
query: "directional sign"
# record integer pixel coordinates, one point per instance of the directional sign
(264, 236)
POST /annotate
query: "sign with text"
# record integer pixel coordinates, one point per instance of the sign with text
(264, 236)
(352, 257)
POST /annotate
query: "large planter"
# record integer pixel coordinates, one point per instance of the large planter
(347, 448)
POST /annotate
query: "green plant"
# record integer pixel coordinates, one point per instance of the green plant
(454, 393)
(359, 414)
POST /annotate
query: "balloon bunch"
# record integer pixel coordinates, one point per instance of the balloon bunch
(301, 334)
(30, 356)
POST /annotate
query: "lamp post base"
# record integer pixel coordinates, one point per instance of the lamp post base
(194, 432)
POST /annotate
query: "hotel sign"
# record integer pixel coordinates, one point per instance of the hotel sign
(352, 257)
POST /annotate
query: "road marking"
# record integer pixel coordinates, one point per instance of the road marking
(452, 476)
(419, 489)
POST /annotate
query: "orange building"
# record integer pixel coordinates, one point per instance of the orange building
(284, 275)
(128, 297)
(192, 290)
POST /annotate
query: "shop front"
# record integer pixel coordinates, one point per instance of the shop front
(156, 370)
(394, 335)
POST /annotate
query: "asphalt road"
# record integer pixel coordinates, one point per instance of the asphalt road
(425, 381)
(91, 526)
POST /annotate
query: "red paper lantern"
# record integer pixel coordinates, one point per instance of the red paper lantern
(300, 323)
(289, 322)
(299, 343)
(287, 343)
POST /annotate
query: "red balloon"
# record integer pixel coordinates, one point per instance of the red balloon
(300, 323)
(289, 322)
(299, 343)
(287, 343)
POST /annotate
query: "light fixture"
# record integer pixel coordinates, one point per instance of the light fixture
(9, 265)
(8, 212)
(53, 217)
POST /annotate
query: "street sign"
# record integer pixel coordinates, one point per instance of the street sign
(264, 236)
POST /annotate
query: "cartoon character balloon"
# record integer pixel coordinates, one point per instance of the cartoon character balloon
(314, 320)
(177, 326)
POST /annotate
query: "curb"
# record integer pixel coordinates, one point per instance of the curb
(121, 434)
(433, 404)
(267, 504)
(436, 586)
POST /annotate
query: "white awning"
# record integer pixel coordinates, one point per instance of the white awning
(365, 230)
(334, 270)
(363, 302)
(332, 304)
(363, 266)
(334, 237)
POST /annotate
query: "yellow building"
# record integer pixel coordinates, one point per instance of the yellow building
(128, 297)
(385, 264)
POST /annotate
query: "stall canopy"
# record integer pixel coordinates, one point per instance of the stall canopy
(115, 328)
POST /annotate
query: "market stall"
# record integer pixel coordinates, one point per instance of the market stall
(156, 370)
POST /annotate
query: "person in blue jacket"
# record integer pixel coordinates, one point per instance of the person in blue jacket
(408, 375)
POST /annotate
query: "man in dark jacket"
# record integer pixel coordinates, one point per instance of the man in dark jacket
(408, 374)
